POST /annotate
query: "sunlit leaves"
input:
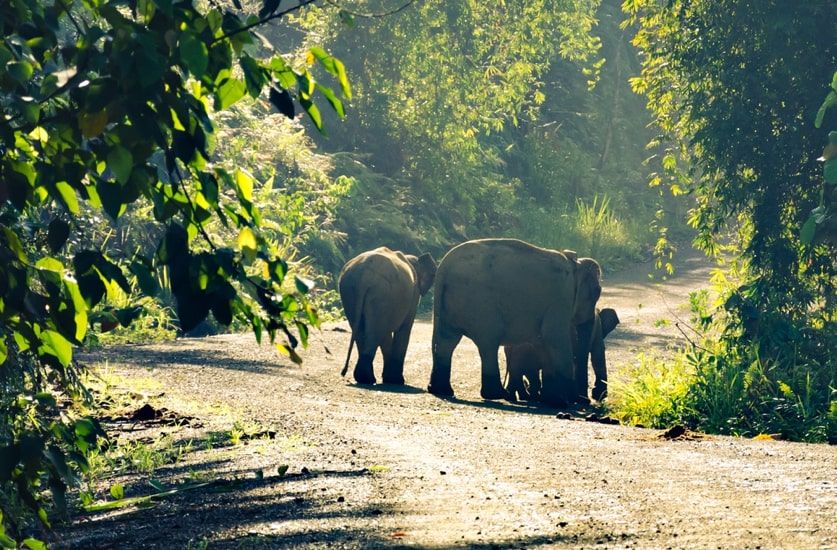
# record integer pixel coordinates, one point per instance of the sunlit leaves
(194, 53)
(108, 109)
(230, 91)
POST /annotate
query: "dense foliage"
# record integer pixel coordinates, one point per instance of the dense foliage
(737, 89)
(486, 126)
(107, 114)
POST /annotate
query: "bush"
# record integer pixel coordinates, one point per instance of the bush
(721, 386)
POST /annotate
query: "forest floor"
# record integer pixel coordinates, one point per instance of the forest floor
(392, 467)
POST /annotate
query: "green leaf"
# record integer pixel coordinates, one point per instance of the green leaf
(50, 264)
(830, 101)
(254, 75)
(84, 427)
(313, 112)
(121, 162)
(247, 241)
(42, 515)
(303, 285)
(809, 229)
(117, 491)
(336, 104)
(244, 184)
(282, 470)
(829, 171)
(79, 307)
(34, 544)
(146, 9)
(194, 53)
(68, 195)
(832, 137)
(4, 352)
(56, 345)
(230, 91)
(20, 70)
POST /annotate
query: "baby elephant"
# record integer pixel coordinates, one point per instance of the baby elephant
(526, 360)
(380, 291)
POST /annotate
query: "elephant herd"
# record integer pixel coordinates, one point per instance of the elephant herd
(539, 304)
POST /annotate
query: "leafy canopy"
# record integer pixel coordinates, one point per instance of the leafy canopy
(108, 105)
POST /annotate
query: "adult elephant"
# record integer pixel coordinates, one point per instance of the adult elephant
(380, 291)
(524, 362)
(505, 291)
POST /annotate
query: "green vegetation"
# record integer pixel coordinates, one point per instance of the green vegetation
(739, 93)
(165, 168)
(108, 122)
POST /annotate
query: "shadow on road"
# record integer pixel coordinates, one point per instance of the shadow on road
(389, 388)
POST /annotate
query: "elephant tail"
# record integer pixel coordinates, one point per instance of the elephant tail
(348, 356)
(357, 325)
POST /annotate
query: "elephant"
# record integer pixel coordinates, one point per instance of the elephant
(527, 361)
(506, 291)
(380, 290)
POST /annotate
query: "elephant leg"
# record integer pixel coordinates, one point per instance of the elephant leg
(367, 344)
(445, 341)
(492, 386)
(558, 389)
(514, 374)
(581, 351)
(533, 376)
(394, 360)
(363, 373)
(597, 356)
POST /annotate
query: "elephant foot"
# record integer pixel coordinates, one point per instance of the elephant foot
(393, 379)
(494, 393)
(441, 390)
(599, 392)
(581, 400)
(554, 402)
(365, 378)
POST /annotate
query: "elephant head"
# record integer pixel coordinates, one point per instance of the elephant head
(588, 287)
(425, 267)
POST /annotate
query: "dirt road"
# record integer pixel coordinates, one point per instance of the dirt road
(396, 467)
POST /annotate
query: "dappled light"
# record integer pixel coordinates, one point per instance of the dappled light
(433, 274)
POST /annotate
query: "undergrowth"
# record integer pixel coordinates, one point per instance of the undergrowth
(720, 385)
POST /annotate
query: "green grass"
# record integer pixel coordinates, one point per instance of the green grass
(652, 392)
(592, 229)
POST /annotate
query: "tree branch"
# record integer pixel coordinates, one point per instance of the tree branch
(262, 21)
(369, 15)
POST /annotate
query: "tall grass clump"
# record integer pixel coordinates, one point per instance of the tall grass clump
(653, 392)
(592, 229)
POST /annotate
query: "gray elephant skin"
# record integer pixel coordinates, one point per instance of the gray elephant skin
(503, 292)
(380, 290)
(525, 361)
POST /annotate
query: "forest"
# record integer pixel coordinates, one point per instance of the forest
(174, 169)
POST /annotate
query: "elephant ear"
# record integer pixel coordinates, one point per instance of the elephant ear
(588, 289)
(426, 272)
(609, 320)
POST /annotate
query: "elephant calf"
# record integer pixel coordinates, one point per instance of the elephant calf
(525, 361)
(380, 290)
